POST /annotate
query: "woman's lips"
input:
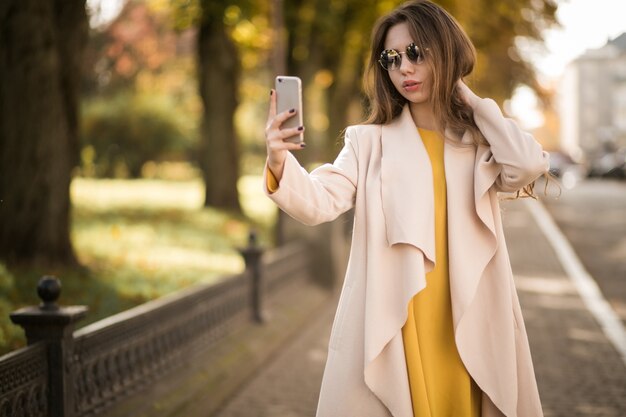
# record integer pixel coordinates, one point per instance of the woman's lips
(411, 85)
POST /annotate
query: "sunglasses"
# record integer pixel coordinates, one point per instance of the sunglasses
(390, 59)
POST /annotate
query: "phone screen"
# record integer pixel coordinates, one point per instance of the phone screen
(289, 96)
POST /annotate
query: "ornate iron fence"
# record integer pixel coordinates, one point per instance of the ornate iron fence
(65, 373)
(24, 382)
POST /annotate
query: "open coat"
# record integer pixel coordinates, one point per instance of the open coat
(384, 173)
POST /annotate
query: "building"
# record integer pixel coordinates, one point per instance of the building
(592, 101)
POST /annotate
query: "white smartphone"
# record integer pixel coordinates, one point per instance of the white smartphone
(289, 96)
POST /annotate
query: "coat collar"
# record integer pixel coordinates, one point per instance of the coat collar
(408, 208)
(408, 197)
(407, 186)
(407, 183)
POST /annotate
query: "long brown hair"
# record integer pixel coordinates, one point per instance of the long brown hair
(450, 55)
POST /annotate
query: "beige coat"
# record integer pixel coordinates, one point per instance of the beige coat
(384, 173)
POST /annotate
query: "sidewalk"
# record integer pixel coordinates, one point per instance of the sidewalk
(579, 372)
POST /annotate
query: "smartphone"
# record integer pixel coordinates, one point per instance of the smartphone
(289, 96)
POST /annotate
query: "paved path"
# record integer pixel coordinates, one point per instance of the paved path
(289, 385)
(578, 371)
(592, 216)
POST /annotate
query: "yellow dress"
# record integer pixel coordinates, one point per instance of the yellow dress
(440, 385)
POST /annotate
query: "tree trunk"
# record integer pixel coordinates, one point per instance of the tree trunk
(73, 31)
(346, 89)
(218, 75)
(40, 49)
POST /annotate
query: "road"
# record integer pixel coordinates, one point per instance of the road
(592, 216)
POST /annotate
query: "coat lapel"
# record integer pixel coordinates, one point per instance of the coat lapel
(471, 230)
(480, 283)
(407, 187)
(408, 202)
(408, 208)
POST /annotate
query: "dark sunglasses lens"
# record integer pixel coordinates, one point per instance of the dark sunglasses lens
(413, 53)
(389, 59)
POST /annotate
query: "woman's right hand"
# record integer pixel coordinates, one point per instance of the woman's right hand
(275, 137)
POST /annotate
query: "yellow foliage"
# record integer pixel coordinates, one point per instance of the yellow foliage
(323, 78)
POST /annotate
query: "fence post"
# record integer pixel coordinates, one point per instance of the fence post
(55, 325)
(252, 256)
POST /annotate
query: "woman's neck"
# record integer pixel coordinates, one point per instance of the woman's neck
(423, 116)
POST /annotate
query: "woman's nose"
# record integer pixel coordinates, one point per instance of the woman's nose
(406, 66)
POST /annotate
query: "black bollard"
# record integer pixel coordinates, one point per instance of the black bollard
(53, 325)
(252, 256)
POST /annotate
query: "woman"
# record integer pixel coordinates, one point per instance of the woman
(428, 323)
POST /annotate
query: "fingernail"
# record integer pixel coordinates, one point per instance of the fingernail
(300, 127)
(271, 92)
(303, 145)
(292, 111)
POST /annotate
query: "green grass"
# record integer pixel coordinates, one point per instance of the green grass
(138, 240)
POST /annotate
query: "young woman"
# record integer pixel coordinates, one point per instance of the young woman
(428, 323)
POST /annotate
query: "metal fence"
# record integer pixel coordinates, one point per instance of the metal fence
(24, 382)
(81, 373)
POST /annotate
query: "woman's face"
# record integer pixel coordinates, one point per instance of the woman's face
(412, 80)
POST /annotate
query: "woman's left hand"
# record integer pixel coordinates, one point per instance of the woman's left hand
(467, 95)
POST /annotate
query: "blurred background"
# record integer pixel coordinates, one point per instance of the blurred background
(131, 131)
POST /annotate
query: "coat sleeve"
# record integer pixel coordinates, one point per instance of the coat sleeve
(520, 159)
(319, 196)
